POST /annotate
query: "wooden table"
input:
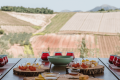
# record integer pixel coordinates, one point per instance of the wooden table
(8, 74)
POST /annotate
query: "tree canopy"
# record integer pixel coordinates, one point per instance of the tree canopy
(27, 10)
(102, 9)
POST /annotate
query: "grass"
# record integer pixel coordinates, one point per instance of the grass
(36, 27)
(6, 19)
(41, 33)
(57, 22)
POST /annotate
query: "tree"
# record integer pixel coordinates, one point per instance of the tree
(27, 10)
(101, 9)
(83, 49)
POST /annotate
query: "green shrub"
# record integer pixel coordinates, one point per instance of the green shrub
(1, 31)
(17, 38)
(28, 49)
(3, 47)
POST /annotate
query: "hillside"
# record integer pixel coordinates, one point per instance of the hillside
(6, 19)
(34, 19)
(95, 23)
(105, 7)
(57, 22)
(103, 45)
(71, 11)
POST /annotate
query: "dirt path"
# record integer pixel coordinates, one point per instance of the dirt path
(43, 28)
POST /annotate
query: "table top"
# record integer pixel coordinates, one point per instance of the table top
(8, 73)
(106, 63)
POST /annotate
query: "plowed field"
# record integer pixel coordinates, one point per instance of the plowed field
(63, 43)
(96, 23)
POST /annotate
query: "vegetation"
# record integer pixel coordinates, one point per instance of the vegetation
(106, 11)
(101, 9)
(36, 27)
(27, 10)
(6, 19)
(17, 38)
(3, 47)
(28, 49)
(57, 22)
(83, 49)
(41, 33)
(1, 32)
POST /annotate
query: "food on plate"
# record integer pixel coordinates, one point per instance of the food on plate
(89, 64)
(22, 67)
(84, 66)
(87, 60)
(33, 64)
(37, 64)
(76, 65)
(83, 77)
(92, 65)
(28, 64)
(73, 73)
(42, 66)
(39, 77)
(36, 78)
(83, 60)
(32, 68)
(39, 67)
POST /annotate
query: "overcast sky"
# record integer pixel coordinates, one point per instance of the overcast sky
(59, 5)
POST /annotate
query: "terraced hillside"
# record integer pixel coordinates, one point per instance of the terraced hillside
(96, 23)
(106, 44)
(57, 22)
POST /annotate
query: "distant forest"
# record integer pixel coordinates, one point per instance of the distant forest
(27, 10)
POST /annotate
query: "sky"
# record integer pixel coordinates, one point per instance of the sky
(59, 5)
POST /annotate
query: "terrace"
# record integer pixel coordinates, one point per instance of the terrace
(92, 37)
(6, 74)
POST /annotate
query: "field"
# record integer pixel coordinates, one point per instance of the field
(6, 19)
(96, 23)
(62, 43)
(17, 29)
(35, 19)
(80, 23)
(57, 22)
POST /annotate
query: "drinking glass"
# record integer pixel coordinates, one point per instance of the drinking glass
(45, 55)
(58, 54)
(115, 60)
(70, 54)
(118, 62)
(111, 59)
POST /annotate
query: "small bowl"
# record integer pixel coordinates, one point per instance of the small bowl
(48, 75)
